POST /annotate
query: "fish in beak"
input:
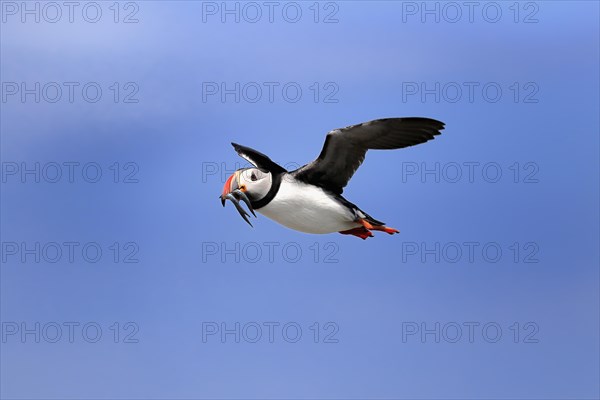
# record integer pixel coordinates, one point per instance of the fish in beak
(232, 191)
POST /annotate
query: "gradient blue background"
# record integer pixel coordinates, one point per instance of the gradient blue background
(172, 135)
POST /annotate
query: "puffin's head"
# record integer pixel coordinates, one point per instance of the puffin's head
(248, 185)
(253, 182)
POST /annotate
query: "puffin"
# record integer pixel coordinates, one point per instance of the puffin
(309, 199)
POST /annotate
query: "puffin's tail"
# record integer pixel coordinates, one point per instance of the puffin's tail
(367, 222)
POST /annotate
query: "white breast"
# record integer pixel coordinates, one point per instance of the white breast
(307, 208)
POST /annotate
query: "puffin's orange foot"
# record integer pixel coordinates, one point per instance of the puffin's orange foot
(388, 230)
(360, 232)
(382, 228)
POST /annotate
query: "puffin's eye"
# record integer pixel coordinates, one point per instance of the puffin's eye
(253, 177)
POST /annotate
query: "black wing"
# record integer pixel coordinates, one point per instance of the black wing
(258, 159)
(344, 149)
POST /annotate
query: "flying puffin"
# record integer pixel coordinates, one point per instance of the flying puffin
(309, 199)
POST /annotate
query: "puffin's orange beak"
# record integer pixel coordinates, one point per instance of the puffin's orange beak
(230, 185)
(232, 191)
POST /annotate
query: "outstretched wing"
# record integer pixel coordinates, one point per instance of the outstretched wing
(258, 159)
(344, 149)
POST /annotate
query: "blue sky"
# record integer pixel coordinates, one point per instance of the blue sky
(510, 243)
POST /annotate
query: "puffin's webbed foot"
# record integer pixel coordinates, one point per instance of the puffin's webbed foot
(360, 232)
(383, 228)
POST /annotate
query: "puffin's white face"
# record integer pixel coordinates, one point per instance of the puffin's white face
(253, 182)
